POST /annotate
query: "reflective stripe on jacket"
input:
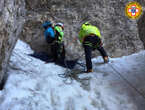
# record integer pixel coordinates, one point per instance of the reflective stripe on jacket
(59, 33)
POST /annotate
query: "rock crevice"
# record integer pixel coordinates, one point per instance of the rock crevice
(141, 28)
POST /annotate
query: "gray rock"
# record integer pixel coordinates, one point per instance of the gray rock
(141, 28)
(11, 22)
(120, 34)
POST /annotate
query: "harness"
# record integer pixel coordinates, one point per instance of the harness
(94, 43)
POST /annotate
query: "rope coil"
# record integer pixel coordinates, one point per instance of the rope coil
(71, 74)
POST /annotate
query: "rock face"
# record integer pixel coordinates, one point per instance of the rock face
(11, 20)
(120, 34)
(141, 23)
(141, 28)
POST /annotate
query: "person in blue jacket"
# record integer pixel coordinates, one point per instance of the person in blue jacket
(54, 37)
(49, 33)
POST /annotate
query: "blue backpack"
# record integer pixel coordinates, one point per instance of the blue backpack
(49, 32)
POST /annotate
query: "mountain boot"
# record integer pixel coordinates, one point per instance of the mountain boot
(89, 70)
(106, 59)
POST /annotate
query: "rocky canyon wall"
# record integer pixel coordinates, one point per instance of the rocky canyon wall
(12, 14)
(141, 23)
(120, 34)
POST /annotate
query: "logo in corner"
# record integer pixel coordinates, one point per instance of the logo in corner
(133, 10)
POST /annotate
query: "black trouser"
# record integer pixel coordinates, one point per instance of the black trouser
(49, 40)
(58, 51)
(91, 43)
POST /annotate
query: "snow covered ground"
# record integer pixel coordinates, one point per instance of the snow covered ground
(34, 85)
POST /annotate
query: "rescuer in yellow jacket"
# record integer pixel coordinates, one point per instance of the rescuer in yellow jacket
(90, 37)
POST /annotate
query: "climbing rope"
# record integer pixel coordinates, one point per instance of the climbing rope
(118, 73)
(82, 65)
(67, 75)
(71, 74)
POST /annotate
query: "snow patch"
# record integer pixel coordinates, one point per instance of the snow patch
(34, 85)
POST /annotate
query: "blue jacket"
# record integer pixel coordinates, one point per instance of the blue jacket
(49, 32)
